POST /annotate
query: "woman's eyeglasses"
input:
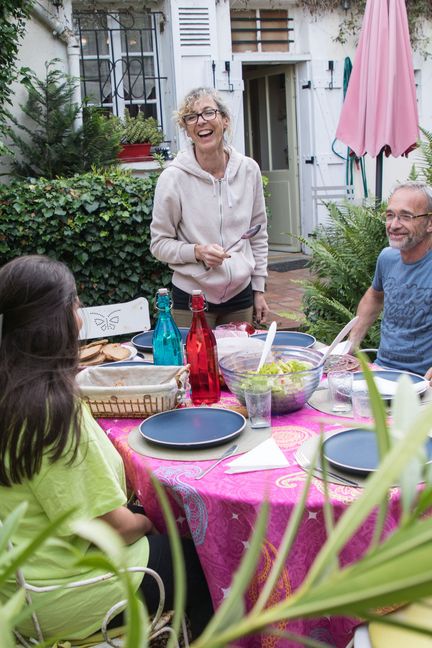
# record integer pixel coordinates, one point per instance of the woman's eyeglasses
(403, 217)
(208, 115)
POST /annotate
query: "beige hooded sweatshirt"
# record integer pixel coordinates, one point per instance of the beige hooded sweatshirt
(191, 206)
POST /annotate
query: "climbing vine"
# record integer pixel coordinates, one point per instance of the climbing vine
(13, 16)
(418, 12)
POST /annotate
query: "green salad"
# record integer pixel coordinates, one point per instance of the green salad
(262, 379)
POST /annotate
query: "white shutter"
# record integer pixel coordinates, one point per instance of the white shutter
(194, 27)
(194, 24)
(330, 180)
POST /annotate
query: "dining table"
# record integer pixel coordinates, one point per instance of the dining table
(220, 510)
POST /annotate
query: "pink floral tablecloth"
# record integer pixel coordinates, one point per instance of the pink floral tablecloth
(220, 510)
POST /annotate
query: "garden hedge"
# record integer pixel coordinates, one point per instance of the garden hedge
(97, 223)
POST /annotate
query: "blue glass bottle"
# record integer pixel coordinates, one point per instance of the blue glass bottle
(167, 340)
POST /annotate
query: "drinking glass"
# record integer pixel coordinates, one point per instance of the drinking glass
(258, 405)
(361, 407)
(340, 387)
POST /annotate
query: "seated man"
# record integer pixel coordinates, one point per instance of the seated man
(403, 283)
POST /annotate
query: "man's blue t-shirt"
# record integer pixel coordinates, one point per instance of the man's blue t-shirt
(406, 329)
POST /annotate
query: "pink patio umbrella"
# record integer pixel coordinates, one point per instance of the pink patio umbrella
(379, 114)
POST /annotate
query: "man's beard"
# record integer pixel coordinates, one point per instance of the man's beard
(408, 241)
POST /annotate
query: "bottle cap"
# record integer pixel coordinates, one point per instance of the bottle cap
(196, 292)
(163, 291)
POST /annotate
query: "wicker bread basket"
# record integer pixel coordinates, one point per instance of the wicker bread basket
(134, 391)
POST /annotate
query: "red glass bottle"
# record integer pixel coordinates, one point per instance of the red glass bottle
(201, 354)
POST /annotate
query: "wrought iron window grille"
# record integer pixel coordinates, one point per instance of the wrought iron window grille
(120, 61)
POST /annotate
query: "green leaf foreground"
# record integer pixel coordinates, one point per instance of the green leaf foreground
(399, 570)
(396, 570)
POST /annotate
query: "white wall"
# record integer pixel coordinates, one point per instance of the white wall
(38, 46)
(322, 31)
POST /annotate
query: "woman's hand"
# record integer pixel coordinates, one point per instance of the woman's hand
(211, 255)
(261, 310)
(130, 526)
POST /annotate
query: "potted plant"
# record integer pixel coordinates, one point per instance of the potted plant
(138, 135)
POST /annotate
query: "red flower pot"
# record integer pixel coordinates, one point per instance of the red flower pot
(135, 152)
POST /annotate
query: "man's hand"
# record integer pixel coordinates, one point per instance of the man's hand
(428, 375)
(211, 255)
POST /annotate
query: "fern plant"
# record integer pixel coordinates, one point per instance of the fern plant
(422, 169)
(344, 254)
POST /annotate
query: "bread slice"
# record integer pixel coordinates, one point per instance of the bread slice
(96, 342)
(115, 352)
(87, 352)
(98, 359)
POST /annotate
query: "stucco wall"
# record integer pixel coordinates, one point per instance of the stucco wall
(322, 32)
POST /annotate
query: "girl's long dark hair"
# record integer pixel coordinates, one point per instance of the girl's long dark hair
(38, 362)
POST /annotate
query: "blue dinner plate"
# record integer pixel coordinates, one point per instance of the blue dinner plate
(192, 427)
(393, 375)
(289, 338)
(144, 341)
(356, 451)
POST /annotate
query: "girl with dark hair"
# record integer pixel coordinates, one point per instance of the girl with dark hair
(54, 456)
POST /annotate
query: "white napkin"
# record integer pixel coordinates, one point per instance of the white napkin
(387, 387)
(265, 456)
(340, 349)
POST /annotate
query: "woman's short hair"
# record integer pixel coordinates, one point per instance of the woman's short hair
(187, 105)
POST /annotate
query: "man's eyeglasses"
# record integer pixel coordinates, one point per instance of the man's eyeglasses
(208, 115)
(403, 217)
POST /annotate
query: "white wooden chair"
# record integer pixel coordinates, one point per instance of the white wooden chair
(115, 319)
(159, 623)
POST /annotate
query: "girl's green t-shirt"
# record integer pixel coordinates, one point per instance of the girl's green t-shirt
(94, 484)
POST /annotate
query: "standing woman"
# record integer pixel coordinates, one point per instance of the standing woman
(204, 201)
(55, 457)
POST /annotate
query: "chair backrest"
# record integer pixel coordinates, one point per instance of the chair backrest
(115, 319)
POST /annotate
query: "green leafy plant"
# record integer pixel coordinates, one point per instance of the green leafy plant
(422, 169)
(13, 17)
(48, 142)
(344, 254)
(98, 223)
(139, 130)
(395, 569)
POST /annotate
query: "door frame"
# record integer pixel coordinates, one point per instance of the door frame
(264, 70)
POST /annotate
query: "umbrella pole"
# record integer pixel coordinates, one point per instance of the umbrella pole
(379, 177)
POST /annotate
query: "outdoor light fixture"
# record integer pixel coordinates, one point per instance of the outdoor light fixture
(346, 4)
(57, 3)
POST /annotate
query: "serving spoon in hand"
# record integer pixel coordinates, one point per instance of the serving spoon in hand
(246, 235)
(250, 233)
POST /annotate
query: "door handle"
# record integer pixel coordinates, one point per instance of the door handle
(310, 160)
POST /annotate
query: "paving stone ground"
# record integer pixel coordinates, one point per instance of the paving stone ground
(284, 297)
